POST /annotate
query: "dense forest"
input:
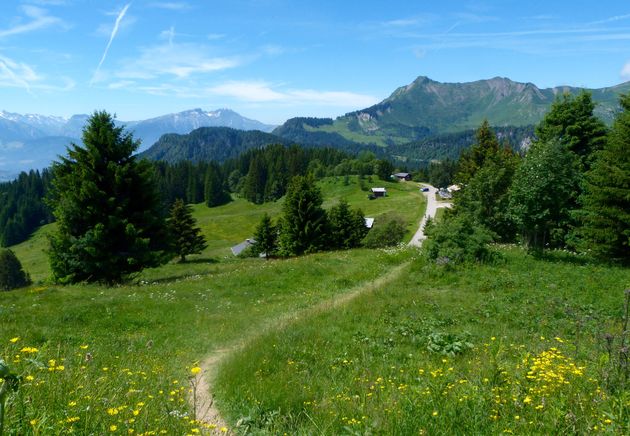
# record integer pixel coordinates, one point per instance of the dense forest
(21, 207)
(209, 143)
(570, 190)
(258, 175)
(450, 145)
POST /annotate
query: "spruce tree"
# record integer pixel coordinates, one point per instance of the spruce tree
(109, 221)
(347, 226)
(303, 226)
(572, 122)
(215, 193)
(606, 202)
(472, 160)
(11, 273)
(185, 237)
(266, 237)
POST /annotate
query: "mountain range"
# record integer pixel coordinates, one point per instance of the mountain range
(426, 108)
(425, 114)
(34, 141)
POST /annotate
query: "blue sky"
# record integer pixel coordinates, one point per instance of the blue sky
(274, 59)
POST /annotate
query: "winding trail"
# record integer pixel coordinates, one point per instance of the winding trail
(432, 206)
(203, 400)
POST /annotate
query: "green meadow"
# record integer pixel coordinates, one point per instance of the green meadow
(99, 360)
(347, 342)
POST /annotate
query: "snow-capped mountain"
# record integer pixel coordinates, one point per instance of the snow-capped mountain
(33, 141)
(149, 131)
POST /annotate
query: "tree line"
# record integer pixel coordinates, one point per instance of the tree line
(21, 207)
(571, 189)
(258, 175)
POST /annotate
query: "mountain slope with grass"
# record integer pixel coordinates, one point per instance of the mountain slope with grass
(357, 341)
(426, 108)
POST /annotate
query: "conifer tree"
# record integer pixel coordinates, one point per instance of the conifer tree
(572, 122)
(266, 237)
(215, 192)
(109, 218)
(606, 201)
(347, 226)
(11, 273)
(471, 160)
(303, 226)
(185, 236)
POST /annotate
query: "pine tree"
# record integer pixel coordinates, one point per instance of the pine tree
(486, 195)
(472, 160)
(572, 122)
(266, 236)
(11, 273)
(606, 201)
(255, 181)
(346, 226)
(109, 221)
(185, 237)
(215, 193)
(303, 225)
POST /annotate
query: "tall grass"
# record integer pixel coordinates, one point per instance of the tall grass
(514, 347)
(96, 360)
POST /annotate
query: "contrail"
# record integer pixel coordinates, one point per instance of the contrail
(121, 15)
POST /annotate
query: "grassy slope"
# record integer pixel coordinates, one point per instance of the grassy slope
(228, 225)
(366, 368)
(120, 357)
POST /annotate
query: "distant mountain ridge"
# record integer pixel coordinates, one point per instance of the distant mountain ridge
(426, 108)
(209, 143)
(34, 141)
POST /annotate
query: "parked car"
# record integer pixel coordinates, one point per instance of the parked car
(425, 189)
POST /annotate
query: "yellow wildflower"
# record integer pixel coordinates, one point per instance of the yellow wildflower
(113, 427)
(14, 340)
(195, 370)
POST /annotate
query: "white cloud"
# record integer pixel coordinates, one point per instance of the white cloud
(215, 36)
(121, 84)
(625, 71)
(611, 19)
(177, 60)
(38, 19)
(259, 91)
(248, 91)
(16, 74)
(173, 6)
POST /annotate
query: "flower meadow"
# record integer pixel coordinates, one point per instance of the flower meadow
(518, 347)
(123, 360)
(70, 391)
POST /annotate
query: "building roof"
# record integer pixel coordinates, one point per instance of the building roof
(453, 188)
(369, 222)
(379, 190)
(402, 175)
(239, 248)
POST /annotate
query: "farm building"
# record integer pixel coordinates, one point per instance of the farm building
(238, 249)
(379, 192)
(402, 177)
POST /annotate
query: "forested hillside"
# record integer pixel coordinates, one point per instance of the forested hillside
(209, 144)
(21, 207)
